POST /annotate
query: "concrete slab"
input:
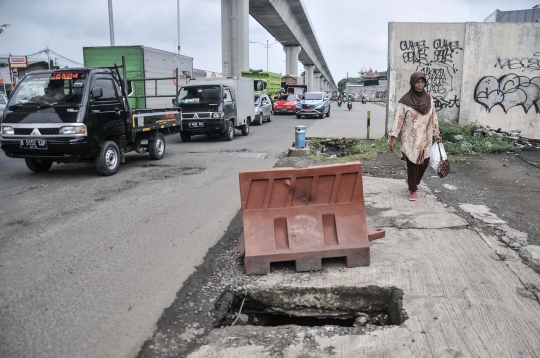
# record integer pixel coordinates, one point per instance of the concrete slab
(349, 124)
(466, 294)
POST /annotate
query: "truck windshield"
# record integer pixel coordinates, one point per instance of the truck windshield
(49, 89)
(312, 96)
(199, 95)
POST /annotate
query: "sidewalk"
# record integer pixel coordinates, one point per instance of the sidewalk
(466, 294)
(350, 124)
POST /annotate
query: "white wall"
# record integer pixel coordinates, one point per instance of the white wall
(477, 72)
(502, 76)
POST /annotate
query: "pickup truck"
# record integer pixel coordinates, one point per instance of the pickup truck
(81, 114)
(216, 106)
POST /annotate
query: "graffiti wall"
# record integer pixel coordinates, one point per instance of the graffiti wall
(476, 72)
(502, 76)
(436, 50)
(370, 93)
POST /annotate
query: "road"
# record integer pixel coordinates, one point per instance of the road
(89, 263)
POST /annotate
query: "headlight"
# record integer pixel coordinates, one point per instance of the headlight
(217, 115)
(72, 130)
(257, 110)
(8, 130)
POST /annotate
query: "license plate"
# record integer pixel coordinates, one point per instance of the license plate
(33, 144)
(284, 109)
(305, 110)
(196, 124)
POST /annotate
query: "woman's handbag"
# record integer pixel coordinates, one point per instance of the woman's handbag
(443, 168)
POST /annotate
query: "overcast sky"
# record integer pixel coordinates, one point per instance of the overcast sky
(353, 34)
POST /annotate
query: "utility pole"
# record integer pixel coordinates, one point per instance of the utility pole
(178, 22)
(111, 23)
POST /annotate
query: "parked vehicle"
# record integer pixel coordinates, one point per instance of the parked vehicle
(216, 106)
(144, 62)
(313, 104)
(81, 114)
(263, 109)
(286, 103)
(3, 102)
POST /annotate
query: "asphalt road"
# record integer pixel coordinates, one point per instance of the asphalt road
(89, 263)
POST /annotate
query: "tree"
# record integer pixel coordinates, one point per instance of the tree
(343, 82)
(2, 28)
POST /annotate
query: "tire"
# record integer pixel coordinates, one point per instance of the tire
(245, 128)
(186, 137)
(321, 116)
(328, 113)
(298, 116)
(270, 118)
(229, 134)
(108, 161)
(156, 148)
(37, 165)
(274, 113)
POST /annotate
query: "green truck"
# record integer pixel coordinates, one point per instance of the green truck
(144, 62)
(271, 80)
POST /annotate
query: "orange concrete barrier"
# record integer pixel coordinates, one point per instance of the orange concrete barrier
(304, 215)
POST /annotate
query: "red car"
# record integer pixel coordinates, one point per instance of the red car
(286, 103)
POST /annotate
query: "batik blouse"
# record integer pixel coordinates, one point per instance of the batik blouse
(417, 131)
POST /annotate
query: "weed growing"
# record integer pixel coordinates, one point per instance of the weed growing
(464, 140)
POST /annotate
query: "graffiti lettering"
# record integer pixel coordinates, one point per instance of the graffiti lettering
(445, 50)
(441, 103)
(531, 64)
(508, 91)
(415, 52)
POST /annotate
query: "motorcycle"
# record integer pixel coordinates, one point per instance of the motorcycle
(349, 104)
(363, 100)
(339, 102)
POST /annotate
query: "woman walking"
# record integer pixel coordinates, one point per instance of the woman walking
(417, 121)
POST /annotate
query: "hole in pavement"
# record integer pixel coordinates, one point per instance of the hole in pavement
(307, 306)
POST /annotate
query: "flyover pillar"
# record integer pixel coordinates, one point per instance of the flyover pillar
(317, 82)
(234, 36)
(291, 60)
(321, 84)
(309, 76)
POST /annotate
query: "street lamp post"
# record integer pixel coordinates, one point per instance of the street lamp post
(267, 46)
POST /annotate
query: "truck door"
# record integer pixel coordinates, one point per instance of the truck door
(228, 104)
(107, 109)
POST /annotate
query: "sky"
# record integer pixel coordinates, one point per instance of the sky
(353, 34)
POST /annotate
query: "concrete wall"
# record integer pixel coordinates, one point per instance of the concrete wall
(435, 49)
(477, 72)
(501, 78)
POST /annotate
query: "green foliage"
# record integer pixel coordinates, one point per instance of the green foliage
(361, 149)
(463, 140)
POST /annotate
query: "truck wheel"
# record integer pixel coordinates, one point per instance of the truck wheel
(245, 128)
(186, 137)
(156, 148)
(108, 161)
(229, 134)
(37, 165)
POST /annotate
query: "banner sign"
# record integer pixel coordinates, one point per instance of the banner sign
(18, 61)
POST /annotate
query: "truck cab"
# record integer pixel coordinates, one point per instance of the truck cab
(67, 116)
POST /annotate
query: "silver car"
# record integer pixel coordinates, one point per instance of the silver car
(313, 104)
(3, 102)
(263, 109)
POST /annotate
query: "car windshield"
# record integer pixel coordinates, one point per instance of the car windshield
(257, 99)
(312, 96)
(200, 94)
(287, 98)
(49, 89)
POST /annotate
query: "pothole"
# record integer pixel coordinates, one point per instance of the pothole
(168, 173)
(313, 307)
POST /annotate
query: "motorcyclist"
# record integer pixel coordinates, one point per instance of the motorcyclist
(350, 98)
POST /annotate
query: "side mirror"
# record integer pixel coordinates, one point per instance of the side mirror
(224, 95)
(97, 92)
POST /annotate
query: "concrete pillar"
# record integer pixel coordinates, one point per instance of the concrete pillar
(321, 84)
(316, 82)
(291, 60)
(234, 36)
(309, 76)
